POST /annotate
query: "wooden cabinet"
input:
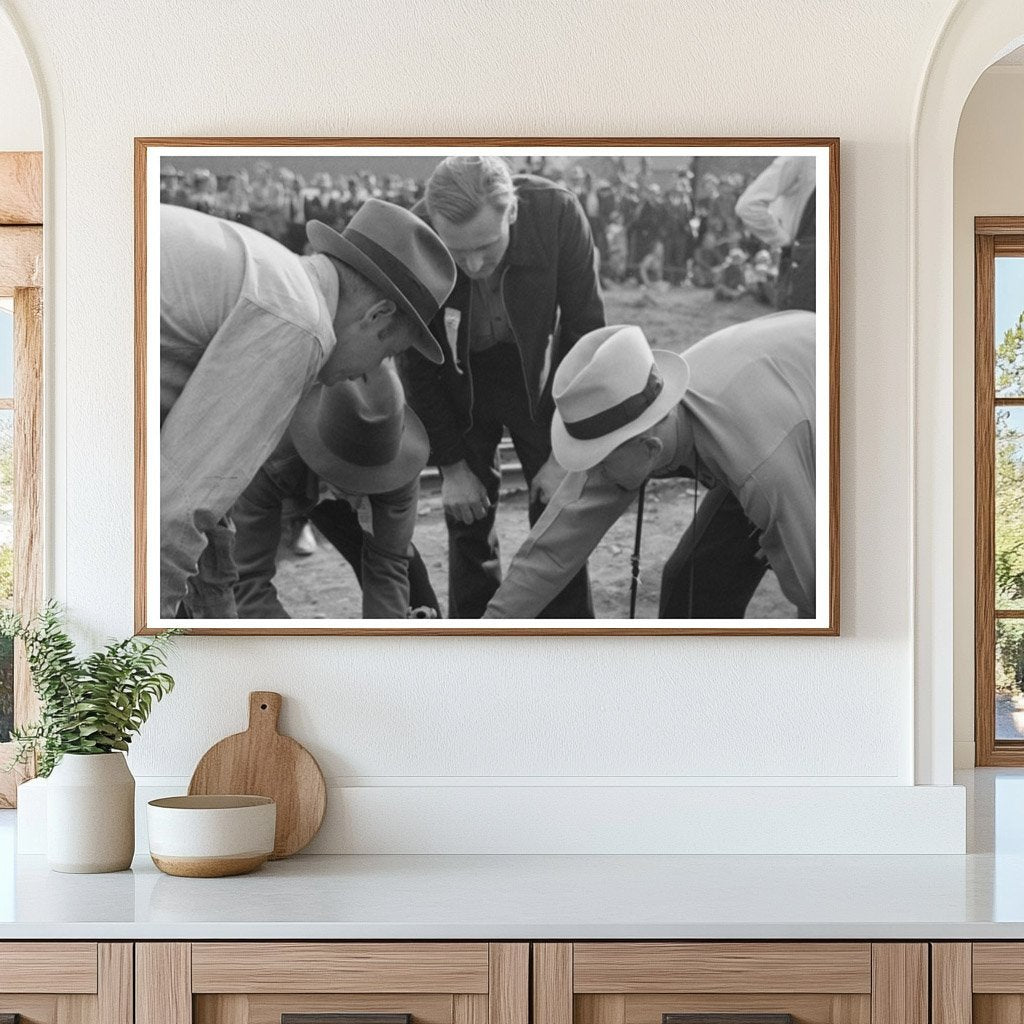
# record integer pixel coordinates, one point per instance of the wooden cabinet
(651, 982)
(263, 982)
(66, 982)
(978, 983)
(512, 983)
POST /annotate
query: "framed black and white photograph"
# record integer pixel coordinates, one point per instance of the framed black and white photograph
(487, 386)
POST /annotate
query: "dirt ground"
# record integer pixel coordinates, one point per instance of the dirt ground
(322, 585)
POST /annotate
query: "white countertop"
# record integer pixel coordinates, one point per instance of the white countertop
(976, 896)
(517, 897)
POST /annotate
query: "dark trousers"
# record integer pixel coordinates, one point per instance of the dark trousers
(795, 288)
(474, 562)
(717, 565)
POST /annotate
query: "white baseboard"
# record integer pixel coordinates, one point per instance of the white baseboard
(571, 819)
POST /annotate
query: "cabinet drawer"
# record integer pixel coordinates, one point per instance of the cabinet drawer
(58, 967)
(340, 967)
(730, 983)
(998, 967)
(332, 983)
(752, 967)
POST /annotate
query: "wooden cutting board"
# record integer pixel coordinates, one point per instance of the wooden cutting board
(262, 762)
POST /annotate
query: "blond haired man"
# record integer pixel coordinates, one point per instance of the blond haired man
(527, 290)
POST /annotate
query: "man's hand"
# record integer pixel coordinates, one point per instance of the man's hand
(423, 612)
(463, 493)
(546, 482)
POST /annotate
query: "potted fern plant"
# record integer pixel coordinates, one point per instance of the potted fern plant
(89, 710)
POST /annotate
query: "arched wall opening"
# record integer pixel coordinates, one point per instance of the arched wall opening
(989, 153)
(976, 34)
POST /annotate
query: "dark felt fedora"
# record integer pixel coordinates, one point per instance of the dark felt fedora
(359, 435)
(399, 254)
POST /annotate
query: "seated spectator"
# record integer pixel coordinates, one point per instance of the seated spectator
(711, 251)
(729, 277)
(652, 266)
(762, 274)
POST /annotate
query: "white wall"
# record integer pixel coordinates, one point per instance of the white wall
(429, 716)
(21, 127)
(987, 182)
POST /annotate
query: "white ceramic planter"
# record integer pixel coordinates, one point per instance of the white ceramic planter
(90, 814)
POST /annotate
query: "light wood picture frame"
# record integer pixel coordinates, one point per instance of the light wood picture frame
(720, 277)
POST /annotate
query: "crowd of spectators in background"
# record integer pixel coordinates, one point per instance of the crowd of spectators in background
(658, 235)
(684, 231)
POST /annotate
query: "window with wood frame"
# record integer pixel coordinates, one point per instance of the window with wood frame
(999, 490)
(21, 351)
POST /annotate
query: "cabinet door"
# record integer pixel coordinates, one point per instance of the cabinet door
(332, 983)
(981, 982)
(730, 983)
(66, 982)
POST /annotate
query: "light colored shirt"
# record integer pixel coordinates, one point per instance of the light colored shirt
(749, 413)
(774, 201)
(245, 326)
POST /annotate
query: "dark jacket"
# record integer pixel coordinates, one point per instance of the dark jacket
(550, 289)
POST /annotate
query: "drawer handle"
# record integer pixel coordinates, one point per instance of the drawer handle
(727, 1018)
(339, 1018)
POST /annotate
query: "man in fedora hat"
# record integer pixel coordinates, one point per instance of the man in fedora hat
(353, 440)
(247, 327)
(736, 412)
(527, 289)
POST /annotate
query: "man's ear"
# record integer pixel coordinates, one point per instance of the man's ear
(513, 210)
(652, 447)
(380, 310)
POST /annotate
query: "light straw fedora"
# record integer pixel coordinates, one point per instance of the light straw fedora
(610, 387)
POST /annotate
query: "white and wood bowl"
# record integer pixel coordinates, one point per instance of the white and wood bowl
(211, 836)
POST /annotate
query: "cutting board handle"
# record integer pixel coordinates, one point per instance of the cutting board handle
(264, 710)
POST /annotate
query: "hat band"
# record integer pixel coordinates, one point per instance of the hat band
(418, 296)
(626, 411)
(357, 440)
(366, 454)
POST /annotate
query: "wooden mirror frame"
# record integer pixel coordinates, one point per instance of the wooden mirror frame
(21, 278)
